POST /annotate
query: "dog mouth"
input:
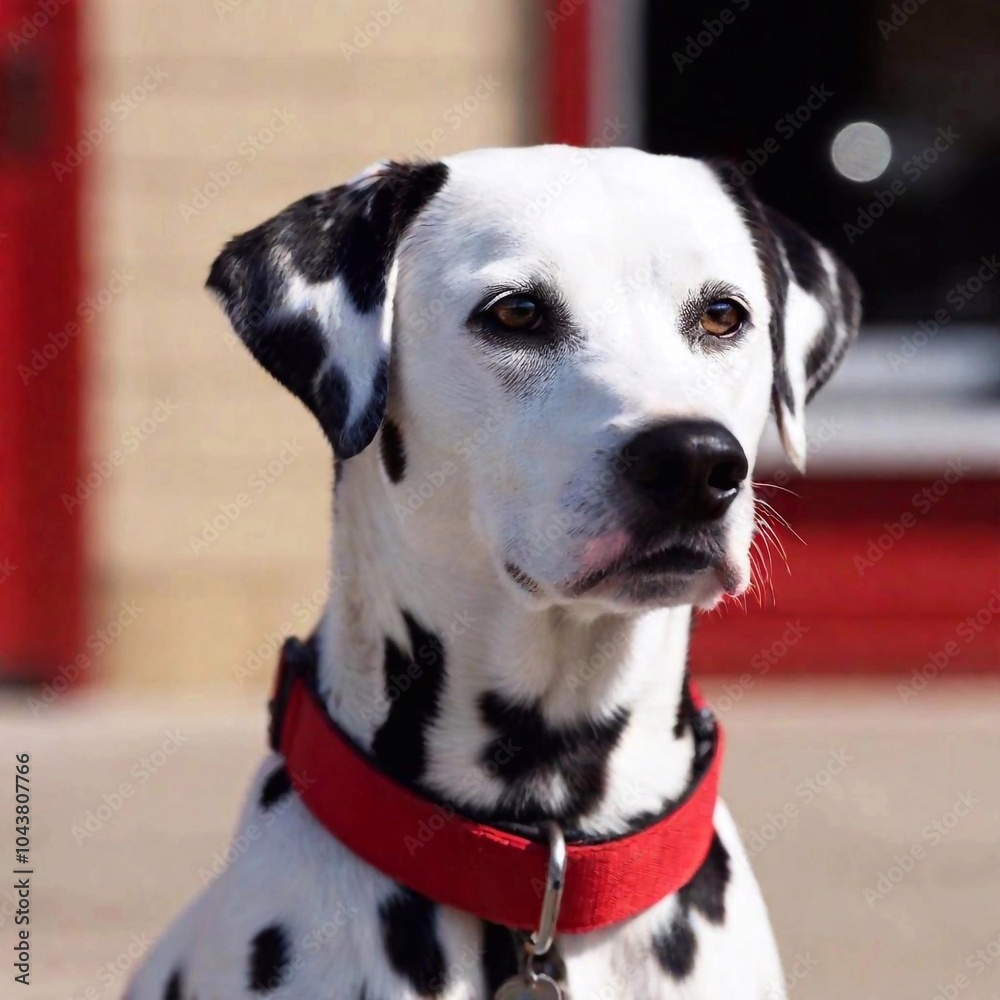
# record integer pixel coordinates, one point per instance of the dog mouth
(668, 561)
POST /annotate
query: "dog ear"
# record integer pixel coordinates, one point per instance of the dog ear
(310, 294)
(815, 311)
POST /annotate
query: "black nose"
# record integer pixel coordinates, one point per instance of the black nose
(688, 469)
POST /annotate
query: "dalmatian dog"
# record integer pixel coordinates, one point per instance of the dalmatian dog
(544, 373)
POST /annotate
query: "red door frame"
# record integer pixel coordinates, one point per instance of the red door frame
(41, 543)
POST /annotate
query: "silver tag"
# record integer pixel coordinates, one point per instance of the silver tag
(529, 987)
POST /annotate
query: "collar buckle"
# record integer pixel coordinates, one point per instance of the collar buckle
(555, 881)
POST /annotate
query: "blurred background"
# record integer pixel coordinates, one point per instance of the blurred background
(862, 691)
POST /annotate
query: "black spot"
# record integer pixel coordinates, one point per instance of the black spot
(277, 786)
(828, 351)
(393, 452)
(810, 274)
(802, 253)
(346, 232)
(769, 258)
(527, 747)
(413, 681)
(821, 353)
(247, 283)
(706, 892)
(172, 991)
(685, 708)
(291, 348)
(850, 295)
(409, 927)
(767, 227)
(330, 400)
(500, 956)
(269, 958)
(675, 948)
(379, 213)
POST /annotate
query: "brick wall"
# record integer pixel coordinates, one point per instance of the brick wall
(214, 116)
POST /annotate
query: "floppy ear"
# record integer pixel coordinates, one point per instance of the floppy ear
(310, 293)
(815, 311)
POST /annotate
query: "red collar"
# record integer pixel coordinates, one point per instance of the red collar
(495, 873)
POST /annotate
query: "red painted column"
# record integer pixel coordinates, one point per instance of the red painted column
(568, 66)
(42, 326)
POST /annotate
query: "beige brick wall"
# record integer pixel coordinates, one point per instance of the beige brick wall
(184, 87)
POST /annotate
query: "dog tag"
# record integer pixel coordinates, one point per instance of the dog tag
(529, 987)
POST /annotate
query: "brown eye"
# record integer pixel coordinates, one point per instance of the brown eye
(723, 318)
(520, 313)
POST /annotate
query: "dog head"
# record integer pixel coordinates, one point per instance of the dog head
(576, 350)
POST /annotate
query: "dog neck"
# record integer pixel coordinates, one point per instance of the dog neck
(506, 710)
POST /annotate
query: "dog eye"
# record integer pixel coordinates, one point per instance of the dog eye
(723, 318)
(519, 313)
